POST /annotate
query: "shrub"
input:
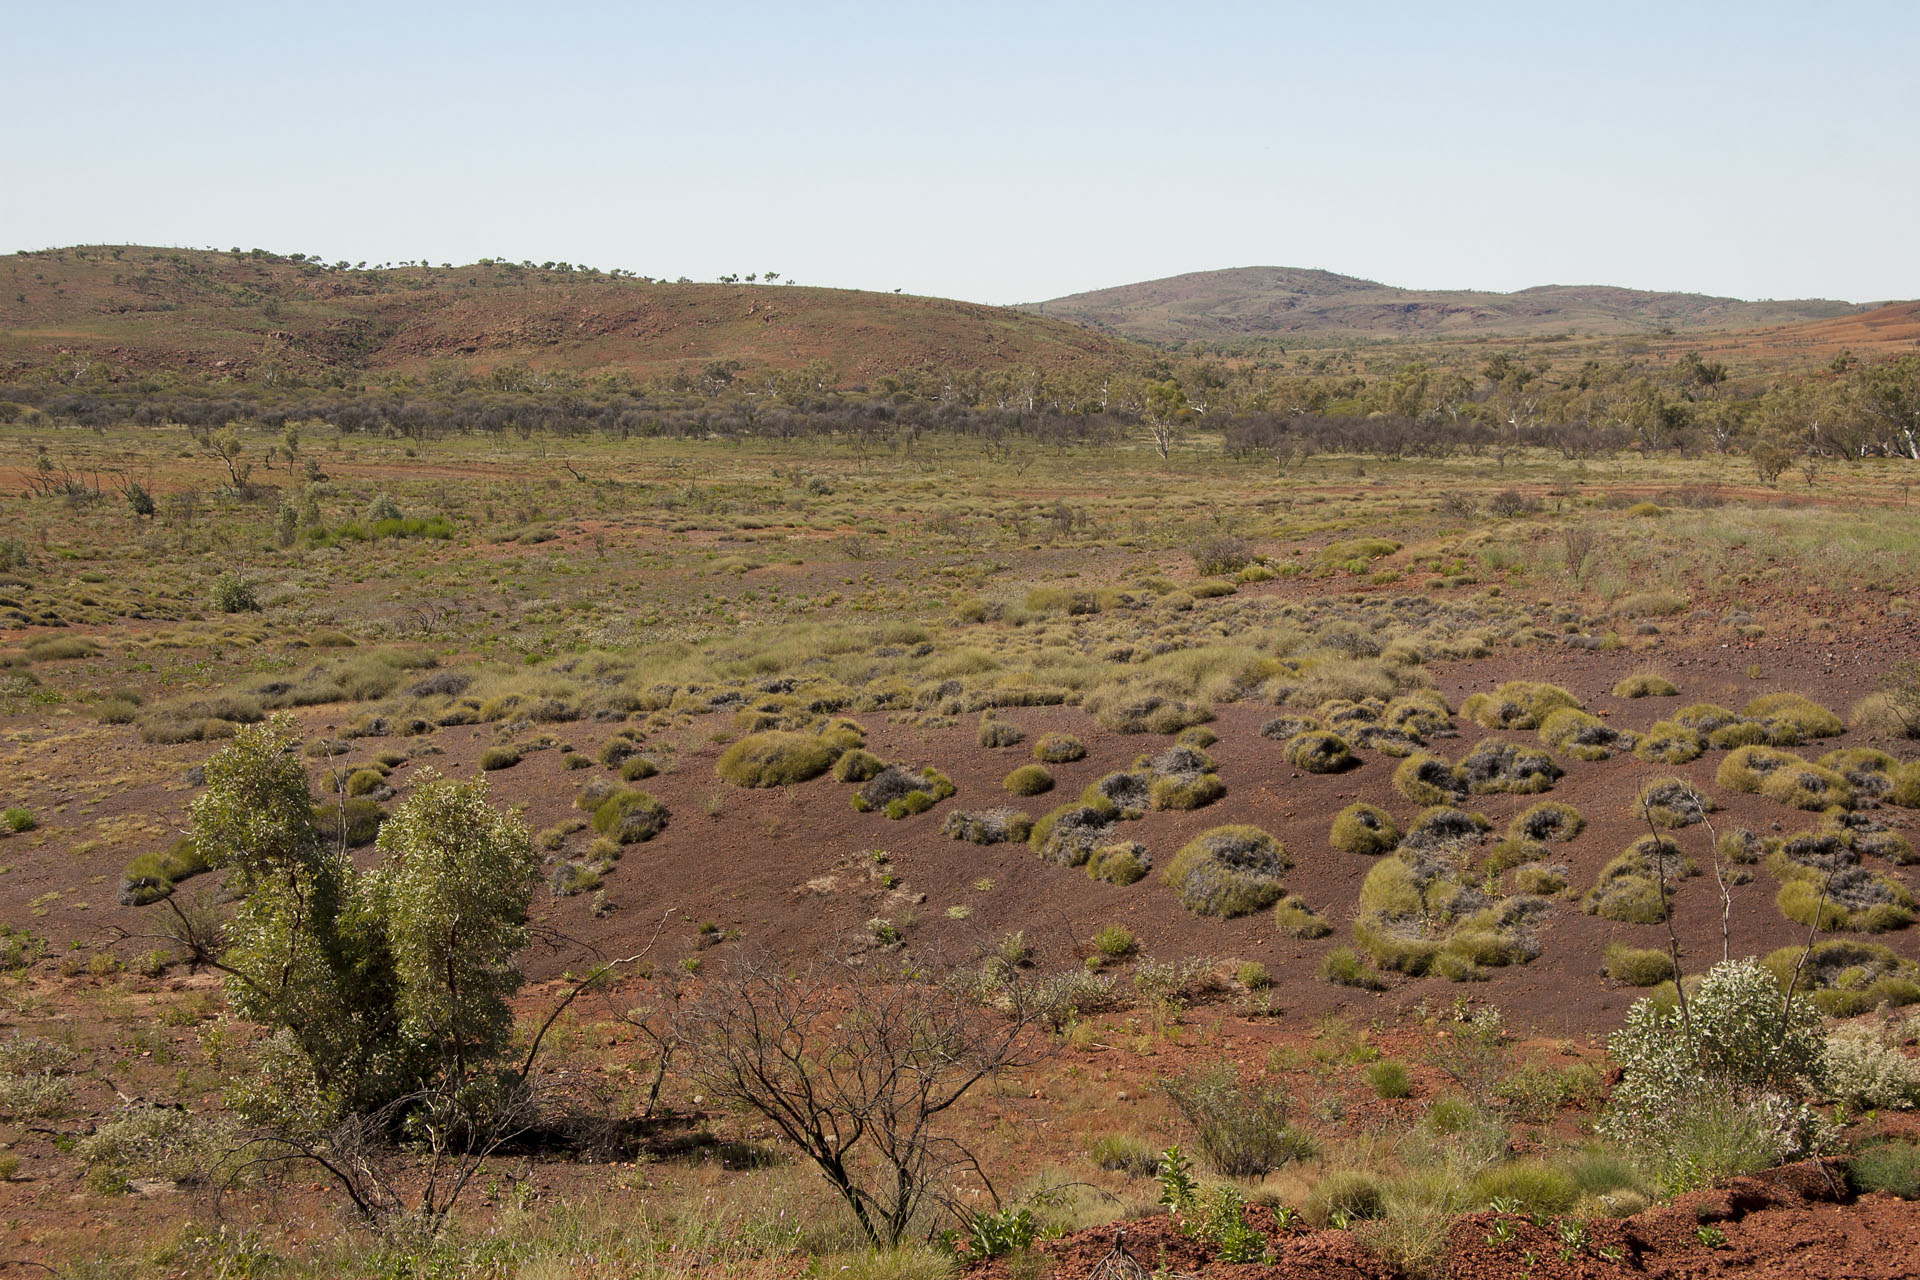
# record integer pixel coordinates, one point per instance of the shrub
(18, 820)
(1280, 728)
(1195, 791)
(1389, 1078)
(1906, 786)
(1628, 888)
(1124, 1153)
(1547, 822)
(1532, 1186)
(234, 594)
(1347, 1195)
(1197, 736)
(1319, 753)
(1806, 786)
(354, 821)
(1000, 733)
(857, 765)
(1427, 779)
(1120, 864)
(1496, 766)
(1517, 704)
(1866, 1074)
(1221, 554)
(1294, 918)
(1241, 1131)
(1808, 719)
(152, 876)
(1638, 966)
(988, 826)
(778, 758)
(495, 758)
(1344, 968)
(1644, 684)
(1849, 900)
(1127, 710)
(1669, 742)
(1716, 1091)
(1068, 835)
(1115, 942)
(1058, 748)
(1746, 768)
(1228, 871)
(1364, 829)
(637, 769)
(1673, 803)
(631, 817)
(1891, 1167)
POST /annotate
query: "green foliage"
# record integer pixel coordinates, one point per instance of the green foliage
(1294, 918)
(1638, 966)
(1344, 1196)
(1364, 829)
(374, 985)
(630, 817)
(1058, 748)
(1517, 704)
(1029, 780)
(1389, 1078)
(1891, 1167)
(18, 819)
(1669, 742)
(1343, 967)
(1644, 684)
(1124, 1153)
(1000, 733)
(1319, 752)
(1228, 871)
(1115, 942)
(497, 758)
(998, 1233)
(1241, 1131)
(777, 758)
(1673, 802)
(1531, 1186)
(150, 877)
(858, 765)
(234, 594)
(1427, 779)
(1121, 864)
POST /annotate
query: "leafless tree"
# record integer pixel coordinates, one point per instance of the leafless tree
(855, 1069)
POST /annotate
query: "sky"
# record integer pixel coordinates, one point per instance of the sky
(994, 152)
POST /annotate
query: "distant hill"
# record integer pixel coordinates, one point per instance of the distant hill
(144, 311)
(1283, 302)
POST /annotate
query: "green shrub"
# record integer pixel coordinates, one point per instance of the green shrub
(355, 820)
(1115, 942)
(858, 765)
(494, 758)
(1746, 768)
(150, 877)
(1193, 791)
(1319, 753)
(1673, 803)
(1891, 1167)
(1067, 836)
(18, 820)
(1547, 822)
(1668, 742)
(1228, 871)
(1867, 1074)
(1342, 967)
(1120, 864)
(1389, 1078)
(1197, 736)
(1906, 786)
(1503, 767)
(1241, 1131)
(1058, 748)
(1427, 779)
(1123, 709)
(1517, 704)
(1000, 733)
(1808, 719)
(1853, 900)
(1364, 829)
(1124, 1153)
(778, 758)
(1533, 1186)
(234, 594)
(1638, 966)
(1294, 918)
(1628, 888)
(630, 817)
(1346, 1195)
(1644, 684)
(1806, 786)
(988, 826)
(637, 769)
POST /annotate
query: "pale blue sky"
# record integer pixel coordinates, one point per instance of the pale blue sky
(998, 152)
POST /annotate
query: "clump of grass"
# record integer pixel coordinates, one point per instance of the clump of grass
(152, 876)
(637, 769)
(1058, 748)
(858, 765)
(1364, 829)
(1673, 803)
(1343, 967)
(60, 648)
(988, 826)
(1517, 704)
(1582, 735)
(1548, 822)
(1628, 888)
(1746, 768)
(1228, 871)
(1345, 1195)
(1638, 966)
(1389, 1078)
(781, 757)
(1847, 976)
(1319, 752)
(1115, 942)
(354, 821)
(1849, 900)
(1496, 766)
(1124, 709)
(1120, 864)
(630, 817)
(1028, 780)
(1068, 835)
(1294, 918)
(18, 820)
(497, 758)
(1669, 742)
(1892, 1167)
(1000, 733)
(1645, 684)
(1533, 1186)
(1807, 718)
(1427, 779)
(1124, 1153)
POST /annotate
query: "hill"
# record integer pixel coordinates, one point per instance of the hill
(1283, 302)
(144, 310)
